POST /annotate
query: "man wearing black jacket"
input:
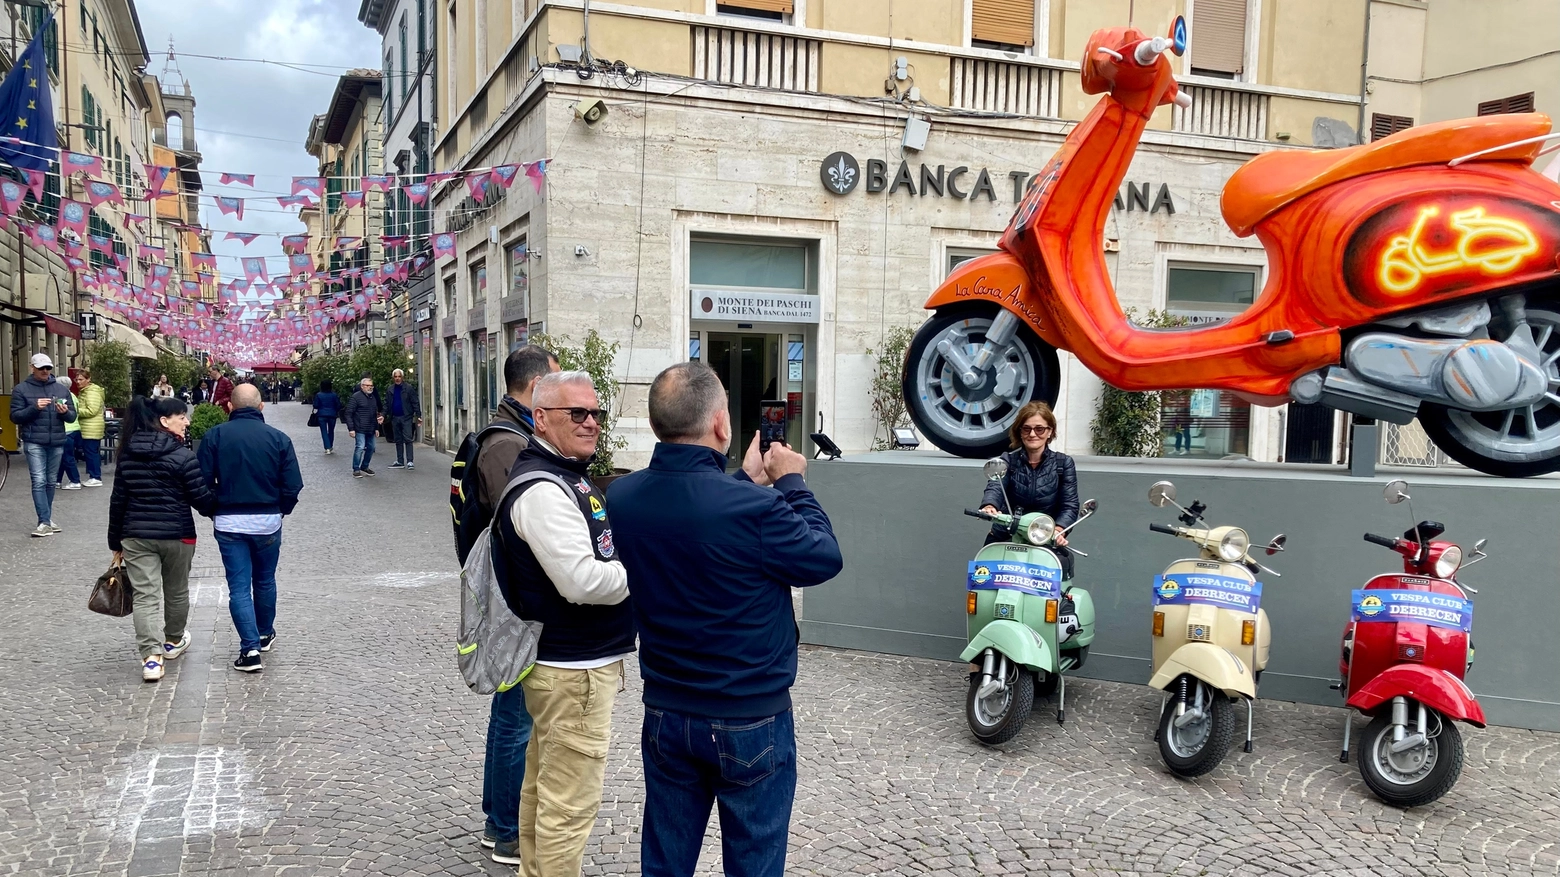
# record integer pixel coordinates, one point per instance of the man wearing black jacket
(254, 471)
(363, 416)
(711, 562)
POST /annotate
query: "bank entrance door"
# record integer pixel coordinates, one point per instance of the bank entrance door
(749, 366)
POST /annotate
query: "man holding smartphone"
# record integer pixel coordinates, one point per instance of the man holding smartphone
(40, 408)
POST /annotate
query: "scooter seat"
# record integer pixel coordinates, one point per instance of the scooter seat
(1264, 185)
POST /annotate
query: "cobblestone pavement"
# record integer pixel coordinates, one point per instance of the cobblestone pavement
(358, 750)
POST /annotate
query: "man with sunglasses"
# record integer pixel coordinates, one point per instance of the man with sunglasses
(557, 564)
(40, 408)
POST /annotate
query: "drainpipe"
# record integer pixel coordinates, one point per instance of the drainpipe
(1364, 73)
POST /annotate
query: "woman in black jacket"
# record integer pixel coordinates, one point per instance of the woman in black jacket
(327, 408)
(1038, 479)
(150, 529)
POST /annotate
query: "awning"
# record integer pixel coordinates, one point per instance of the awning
(20, 316)
(140, 346)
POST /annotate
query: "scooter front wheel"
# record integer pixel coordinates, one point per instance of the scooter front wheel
(1414, 776)
(999, 716)
(970, 418)
(1194, 746)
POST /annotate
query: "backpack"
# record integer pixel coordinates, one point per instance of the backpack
(467, 515)
(495, 648)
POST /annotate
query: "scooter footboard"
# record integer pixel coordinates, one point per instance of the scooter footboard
(1020, 644)
(1437, 689)
(1212, 664)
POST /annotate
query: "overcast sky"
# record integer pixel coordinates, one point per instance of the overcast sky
(239, 104)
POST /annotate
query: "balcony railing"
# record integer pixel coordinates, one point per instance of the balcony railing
(739, 57)
(1003, 87)
(1222, 112)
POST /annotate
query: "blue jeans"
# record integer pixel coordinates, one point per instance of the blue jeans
(92, 449)
(43, 466)
(509, 730)
(362, 450)
(68, 459)
(250, 562)
(746, 766)
(328, 431)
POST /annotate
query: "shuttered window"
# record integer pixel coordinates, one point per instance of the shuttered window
(1519, 103)
(761, 8)
(1383, 125)
(1218, 37)
(1007, 22)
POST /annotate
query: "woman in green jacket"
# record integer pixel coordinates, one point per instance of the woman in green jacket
(69, 477)
(89, 413)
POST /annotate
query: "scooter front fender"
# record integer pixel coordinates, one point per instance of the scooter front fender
(1212, 664)
(1437, 689)
(998, 279)
(1019, 643)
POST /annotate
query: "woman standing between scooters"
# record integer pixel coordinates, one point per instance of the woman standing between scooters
(1038, 479)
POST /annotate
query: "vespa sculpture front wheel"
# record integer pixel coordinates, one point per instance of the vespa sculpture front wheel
(968, 372)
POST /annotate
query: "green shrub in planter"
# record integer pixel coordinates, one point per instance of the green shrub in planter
(205, 417)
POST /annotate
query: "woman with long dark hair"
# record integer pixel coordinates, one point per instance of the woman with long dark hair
(150, 528)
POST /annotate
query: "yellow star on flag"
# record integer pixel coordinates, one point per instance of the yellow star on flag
(32, 83)
(21, 122)
(32, 105)
(27, 64)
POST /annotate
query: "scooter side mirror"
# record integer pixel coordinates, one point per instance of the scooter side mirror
(1090, 506)
(1277, 544)
(1161, 494)
(1476, 555)
(996, 468)
(1395, 492)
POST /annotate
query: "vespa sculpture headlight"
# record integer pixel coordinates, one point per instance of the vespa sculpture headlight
(1040, 530)
(1446, 565)
(1234, 544)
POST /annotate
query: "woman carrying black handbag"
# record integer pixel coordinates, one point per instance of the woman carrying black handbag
(157, 481)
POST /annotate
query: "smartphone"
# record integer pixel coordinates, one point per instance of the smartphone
(771, 423)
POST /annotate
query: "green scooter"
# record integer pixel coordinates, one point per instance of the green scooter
(1027, 627)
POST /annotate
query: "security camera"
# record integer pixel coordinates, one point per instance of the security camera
(592, 111)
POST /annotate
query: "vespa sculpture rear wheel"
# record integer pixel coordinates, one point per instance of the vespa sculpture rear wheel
(971, 419)
(1518, 442)
(1415, 776)
(1197, 746)
(999, 717)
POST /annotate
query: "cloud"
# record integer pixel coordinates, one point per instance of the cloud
(253, 118)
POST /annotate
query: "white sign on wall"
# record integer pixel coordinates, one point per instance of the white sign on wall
(753, 307)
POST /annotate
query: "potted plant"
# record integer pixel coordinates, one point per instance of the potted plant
(205, 416)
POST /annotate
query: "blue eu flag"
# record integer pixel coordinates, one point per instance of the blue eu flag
(25, 110)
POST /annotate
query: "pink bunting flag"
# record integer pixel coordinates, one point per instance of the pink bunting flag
(443, 244)
(417, 193)
(11, 197)
(149, 253)
(438, 177)
(476, 185)
(189, 287)
(35, 182)
(71, 248)
(347, 243)
(295, 243)
(44, 236)
(378, 183)
(231, 206)
(504, 175)
(242, 237)
(155, 175)
(535, 171)
(308, 184)
(78, 162)
(99, 192)
(241, 179)
(76, 263)
(393, 240)
(295, 201)
(101, 244)
(205, 278)
(123, 262)
(254, 268)
(351, 199)
(134, 219)
(73, 215)
(203, 260)
(300, 264)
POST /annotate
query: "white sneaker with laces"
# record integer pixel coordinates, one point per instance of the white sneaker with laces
(92, 482)
(173, 650)
(73, 485)
(152, 670)
(42, 530)
(56, 527)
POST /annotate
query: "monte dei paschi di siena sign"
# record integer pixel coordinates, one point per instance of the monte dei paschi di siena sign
(841, 174)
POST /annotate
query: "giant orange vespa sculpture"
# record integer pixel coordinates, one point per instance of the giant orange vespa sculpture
(1416, 276)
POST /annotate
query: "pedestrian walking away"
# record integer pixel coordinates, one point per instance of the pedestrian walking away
(157, 482)
(558, 565)
(90, 409)
(221, 389)
(363, 417)
(69, 476)
(40, 408)
(509, 724)
(711, 561)
(254, 474)
(327, 410)
(405, 412)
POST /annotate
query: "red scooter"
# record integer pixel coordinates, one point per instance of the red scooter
(1405, 653)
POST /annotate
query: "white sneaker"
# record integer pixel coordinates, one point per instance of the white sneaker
(411, 465)
(56, 527)
(152, 670)
(74, 485)
(92, 482)
(43, 530)
(173, 650)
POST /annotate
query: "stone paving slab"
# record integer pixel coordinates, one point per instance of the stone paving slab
(358, 751)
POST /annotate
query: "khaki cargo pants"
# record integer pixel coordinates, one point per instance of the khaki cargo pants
(571, 714)
(159, 574)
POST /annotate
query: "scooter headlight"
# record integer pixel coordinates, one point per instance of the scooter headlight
(1446, 565)
(1040, 530)
(1234, 544)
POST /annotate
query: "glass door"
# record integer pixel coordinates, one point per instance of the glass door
(749, 367)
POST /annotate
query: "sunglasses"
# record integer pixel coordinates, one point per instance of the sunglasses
(578, 415)
(1035, 430)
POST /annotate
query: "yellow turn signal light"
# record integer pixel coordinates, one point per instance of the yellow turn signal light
(1050, 612)
(969, 603)
(1248, 631)
(1159, 624)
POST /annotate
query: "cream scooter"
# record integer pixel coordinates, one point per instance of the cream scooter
(1211, 638)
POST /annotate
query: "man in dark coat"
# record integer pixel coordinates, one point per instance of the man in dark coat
(405, 411)
(363, 416)
(40, 408)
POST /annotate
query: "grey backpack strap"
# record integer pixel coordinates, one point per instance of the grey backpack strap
(521, 480)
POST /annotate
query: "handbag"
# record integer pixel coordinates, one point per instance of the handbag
(112, 595)
(314, 418)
